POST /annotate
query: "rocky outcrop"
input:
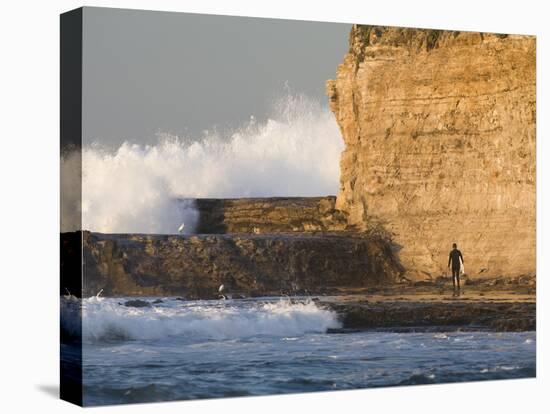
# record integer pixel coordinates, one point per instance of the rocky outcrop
(437, 315)
(246, 264)
(439, 129)
(269, 215)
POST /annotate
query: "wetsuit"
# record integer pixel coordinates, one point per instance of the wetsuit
(455, 256)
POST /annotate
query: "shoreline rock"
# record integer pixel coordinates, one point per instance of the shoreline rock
(439, 315)
(137, 303)
(246, 264)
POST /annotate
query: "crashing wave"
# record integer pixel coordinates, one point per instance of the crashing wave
(105, 319)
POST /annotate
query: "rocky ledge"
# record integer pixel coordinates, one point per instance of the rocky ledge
(435, 313)
(246, 264)
(269, 215)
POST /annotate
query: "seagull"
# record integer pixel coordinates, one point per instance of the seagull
(180, 228)
(220, 289)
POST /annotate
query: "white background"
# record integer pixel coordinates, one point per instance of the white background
(29, 205)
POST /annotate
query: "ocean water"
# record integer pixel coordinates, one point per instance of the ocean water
(209, 349)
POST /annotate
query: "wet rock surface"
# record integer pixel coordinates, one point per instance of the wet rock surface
(437, 308)
(438, 315)
(137, 303)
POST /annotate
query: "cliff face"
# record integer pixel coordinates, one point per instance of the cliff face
(439, 129)
(195, 266)
(269, 215)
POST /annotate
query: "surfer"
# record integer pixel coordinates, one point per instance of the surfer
(456, 260)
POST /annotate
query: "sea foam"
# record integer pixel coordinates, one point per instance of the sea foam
(108, 319)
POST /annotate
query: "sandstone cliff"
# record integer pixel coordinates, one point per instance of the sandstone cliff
(269, 215)
(439, 129)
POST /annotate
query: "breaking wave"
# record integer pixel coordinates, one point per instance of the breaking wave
(108, 319)
(138, 188)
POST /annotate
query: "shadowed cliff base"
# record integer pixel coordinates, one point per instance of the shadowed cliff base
(246, 264)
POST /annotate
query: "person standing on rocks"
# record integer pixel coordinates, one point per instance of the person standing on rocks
(455, 259)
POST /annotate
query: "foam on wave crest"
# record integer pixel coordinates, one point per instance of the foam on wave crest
(107, 319)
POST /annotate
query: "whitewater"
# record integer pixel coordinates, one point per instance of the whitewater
(108, 319)
(139, 188)
(178, 349)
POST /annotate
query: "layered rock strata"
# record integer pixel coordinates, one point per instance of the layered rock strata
(269, 215)
(439, 128)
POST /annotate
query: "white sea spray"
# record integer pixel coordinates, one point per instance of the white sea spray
(139, 188)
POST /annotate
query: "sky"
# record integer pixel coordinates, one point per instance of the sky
(164, 72)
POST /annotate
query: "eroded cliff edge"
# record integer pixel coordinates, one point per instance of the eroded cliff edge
(439, 128)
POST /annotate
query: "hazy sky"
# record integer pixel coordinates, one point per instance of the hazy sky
(148, 72)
